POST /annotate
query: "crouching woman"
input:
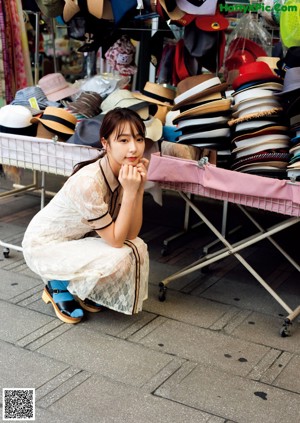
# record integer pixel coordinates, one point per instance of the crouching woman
(102, 197)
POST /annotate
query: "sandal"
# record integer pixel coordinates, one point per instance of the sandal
(64, 304)
(90, 306)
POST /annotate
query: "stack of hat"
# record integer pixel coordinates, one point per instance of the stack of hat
(290, 97)
(260, 139)
(204, 112)
(87, 131)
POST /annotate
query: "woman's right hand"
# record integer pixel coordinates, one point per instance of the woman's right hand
(130, 178)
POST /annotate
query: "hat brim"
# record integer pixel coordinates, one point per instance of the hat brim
(216, 22)
(255, 147)
(215, 89)
(61, 94)
(211, 107)
(154, 129)
(263, 85)
(252, 77)
(55, 126)
(256, 127)
(257, 115)
(213, 135)
(143, 97)
(241, 43)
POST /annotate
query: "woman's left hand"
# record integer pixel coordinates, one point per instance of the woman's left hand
(142, 168)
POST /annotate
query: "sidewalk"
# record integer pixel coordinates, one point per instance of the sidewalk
(210, 353)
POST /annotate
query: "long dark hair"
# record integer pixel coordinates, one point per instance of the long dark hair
(115, 119)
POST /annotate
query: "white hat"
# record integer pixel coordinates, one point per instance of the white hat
(14, 116)
(16, 120)
(154, 128)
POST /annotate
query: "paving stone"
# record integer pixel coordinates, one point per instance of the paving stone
(99, 399)
(117, 324)
(231, 397)
(20, 368)
(288, 378)
(187, 308)
(18, 322)
(14, 284)
(246, 294)
(45, 416)
(205, 346)
(264, 330)
(66, 385)
(134, 364)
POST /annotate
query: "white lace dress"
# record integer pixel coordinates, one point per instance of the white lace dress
(57, 245)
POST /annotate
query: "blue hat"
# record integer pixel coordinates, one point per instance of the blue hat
(25, 96)
(87, 133)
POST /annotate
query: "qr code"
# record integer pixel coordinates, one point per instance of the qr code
(18, 404)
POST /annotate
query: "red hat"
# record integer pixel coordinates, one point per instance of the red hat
(241, 51)
(216, 22)
(254, 71)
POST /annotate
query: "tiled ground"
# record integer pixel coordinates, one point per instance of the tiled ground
(210, 353)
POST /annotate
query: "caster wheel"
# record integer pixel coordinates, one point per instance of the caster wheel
(6, 253)
(284, 332)
(162, 292)
(164, 251)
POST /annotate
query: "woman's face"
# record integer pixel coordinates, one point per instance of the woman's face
(126, 147)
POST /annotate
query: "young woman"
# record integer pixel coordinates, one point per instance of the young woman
(102, 198)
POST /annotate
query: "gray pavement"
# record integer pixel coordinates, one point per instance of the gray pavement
(211, 352)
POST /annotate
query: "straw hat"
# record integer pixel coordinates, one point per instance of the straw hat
(57, 120)
(156, 93)
(43, 132)
(206, 108)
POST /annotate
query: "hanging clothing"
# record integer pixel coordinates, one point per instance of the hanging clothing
(14, 49)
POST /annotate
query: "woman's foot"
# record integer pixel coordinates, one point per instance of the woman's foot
(64, 304)
(90, 306)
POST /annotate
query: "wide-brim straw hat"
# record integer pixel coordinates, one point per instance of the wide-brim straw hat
(58, 120)
(156, 93)
(207, 108)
